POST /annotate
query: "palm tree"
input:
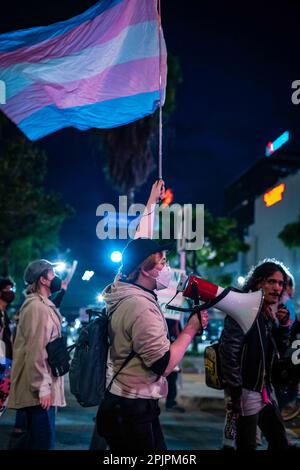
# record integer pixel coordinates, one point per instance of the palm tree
(129, 156)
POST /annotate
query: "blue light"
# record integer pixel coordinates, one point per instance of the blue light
(279, 142)
(116, 256)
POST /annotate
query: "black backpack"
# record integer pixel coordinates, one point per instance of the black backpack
(87, 374)
(88, 367)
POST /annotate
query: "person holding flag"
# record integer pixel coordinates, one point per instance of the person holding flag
(140, 355)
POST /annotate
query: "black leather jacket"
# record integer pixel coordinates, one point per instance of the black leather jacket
(247, 360)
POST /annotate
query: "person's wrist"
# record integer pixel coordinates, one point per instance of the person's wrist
(285, 321)
(191, 330)
(150, 204)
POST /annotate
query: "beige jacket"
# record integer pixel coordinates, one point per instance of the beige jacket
(136, 323)
(31, 378)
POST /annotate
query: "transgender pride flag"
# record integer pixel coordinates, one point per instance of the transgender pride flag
(100, 69)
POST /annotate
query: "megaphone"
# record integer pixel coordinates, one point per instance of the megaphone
(242, 307)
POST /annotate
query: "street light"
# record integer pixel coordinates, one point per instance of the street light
(60, 266)
(116, 256)
(87, 275)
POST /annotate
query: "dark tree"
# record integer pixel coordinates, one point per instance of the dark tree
(290, 235)
(30, 218)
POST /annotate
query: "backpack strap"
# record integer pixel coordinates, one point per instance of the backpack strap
(71, 347)
(128, 358)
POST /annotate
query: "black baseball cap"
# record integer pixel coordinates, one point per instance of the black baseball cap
(138, 250)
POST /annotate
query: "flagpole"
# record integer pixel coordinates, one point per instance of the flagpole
(160, 129)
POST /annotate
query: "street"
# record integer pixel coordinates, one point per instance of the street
(183, 431)
(199, 428)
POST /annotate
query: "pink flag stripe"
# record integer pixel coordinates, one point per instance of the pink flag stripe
(123, 48)
(105, 86)
(110, 24)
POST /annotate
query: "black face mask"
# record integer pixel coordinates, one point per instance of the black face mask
(55, 284)
(8, 296)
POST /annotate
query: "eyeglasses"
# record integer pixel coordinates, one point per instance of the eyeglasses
(163, 261)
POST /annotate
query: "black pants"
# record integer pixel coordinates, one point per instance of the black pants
(130, 424)
(270, 422)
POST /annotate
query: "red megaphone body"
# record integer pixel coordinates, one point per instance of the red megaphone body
(242, 307)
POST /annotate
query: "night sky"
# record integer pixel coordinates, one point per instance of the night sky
(238, 62)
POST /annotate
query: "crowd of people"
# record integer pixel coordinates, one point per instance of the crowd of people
(145, 353)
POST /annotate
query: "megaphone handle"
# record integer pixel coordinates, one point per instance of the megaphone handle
(196, 298)
(200, 320)
(197, 307)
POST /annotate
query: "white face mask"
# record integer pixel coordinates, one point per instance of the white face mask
(164, 278)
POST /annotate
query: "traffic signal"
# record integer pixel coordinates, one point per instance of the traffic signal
(168, 198)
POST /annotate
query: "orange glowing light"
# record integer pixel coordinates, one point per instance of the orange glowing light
(168, 198)
(275, 195)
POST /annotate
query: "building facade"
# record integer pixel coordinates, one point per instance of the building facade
(264, 200)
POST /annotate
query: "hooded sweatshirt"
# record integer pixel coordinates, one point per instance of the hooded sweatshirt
(135, 323)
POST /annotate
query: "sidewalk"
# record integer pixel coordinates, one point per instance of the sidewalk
(193, 393)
